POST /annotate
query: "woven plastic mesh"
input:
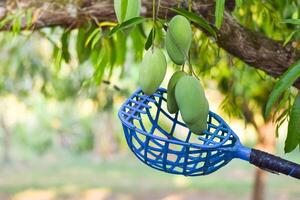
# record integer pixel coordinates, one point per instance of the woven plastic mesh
(162, 140)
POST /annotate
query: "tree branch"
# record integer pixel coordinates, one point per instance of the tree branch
(251, 47)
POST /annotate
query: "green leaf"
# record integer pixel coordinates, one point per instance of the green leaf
(92, 35)
(219, 13)
(29, 15)
(285, 81)
(120, 48)
(127, 9)
(124, 5)
(292, 21)
(102, 63)
(95, 41)
(288, 39)
(83, 51)
(138, 43)
(127, 24)
(196, 19)
(65, 46)
(239, 3)
(293, 136)
(117, 7)
(150, 39)
(57, 54)
(17, 24)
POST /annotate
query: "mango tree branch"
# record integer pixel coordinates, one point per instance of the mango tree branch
(251, 47)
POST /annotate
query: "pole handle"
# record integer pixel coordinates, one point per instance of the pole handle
(274, 164)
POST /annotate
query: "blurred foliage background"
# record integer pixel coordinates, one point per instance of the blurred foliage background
(60, 91)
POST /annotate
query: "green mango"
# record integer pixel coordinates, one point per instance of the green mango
(152, 71)
(198, 127)
(129, 10)
(178, 39)
(192, 103)
(171, 101)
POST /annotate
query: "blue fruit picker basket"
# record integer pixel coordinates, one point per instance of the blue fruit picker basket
(162, 140)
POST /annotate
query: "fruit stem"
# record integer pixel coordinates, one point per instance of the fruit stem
(157, 9)
(190, 5)
(178, 3)
(192, 72)
(154, 21)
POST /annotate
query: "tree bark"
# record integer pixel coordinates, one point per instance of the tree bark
(251, 47)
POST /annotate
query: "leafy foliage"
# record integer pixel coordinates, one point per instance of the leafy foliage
(286, 81)
(293, 137)
(219, 12)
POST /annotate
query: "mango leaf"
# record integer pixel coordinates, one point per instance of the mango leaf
(17, 24)
(91, 36)
(196, 19)
(285, 81)
(127, 24)
(118, 11)
(289, 38)
(138, 43)
(219, 13)
(120, 47)
(83, 51)
(65, 46)
(124, 6)
(293, 136)
(239, 3)
(95, 41)
(150, 39)
(57, 54)
(127, 9)
(102, 63)
(29, 15)
(292, 21)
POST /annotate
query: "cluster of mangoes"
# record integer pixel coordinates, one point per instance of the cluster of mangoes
(185, 93)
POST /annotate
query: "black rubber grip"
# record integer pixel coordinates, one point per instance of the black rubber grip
(273, 163)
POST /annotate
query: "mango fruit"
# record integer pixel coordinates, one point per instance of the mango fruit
(171, 101)
(152, 71)
(198, 127)
(178, 39)
(192, 103)
(130, 10)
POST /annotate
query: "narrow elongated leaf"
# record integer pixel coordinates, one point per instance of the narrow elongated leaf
(289, 38)
(28, 19)
(293, 136)
(219, 13)
(127, 9)
(101, 65)
(92, 35)
(65, 46)
(124, 4)
(120, 43)
(83, 51)
(292, 21)
(150, 39)
(138, 43)
(117, 7)
(196, 19)
(286, 81)
(127, 24)
(57, 54)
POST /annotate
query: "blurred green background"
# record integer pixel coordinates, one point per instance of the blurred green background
(60, 91)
